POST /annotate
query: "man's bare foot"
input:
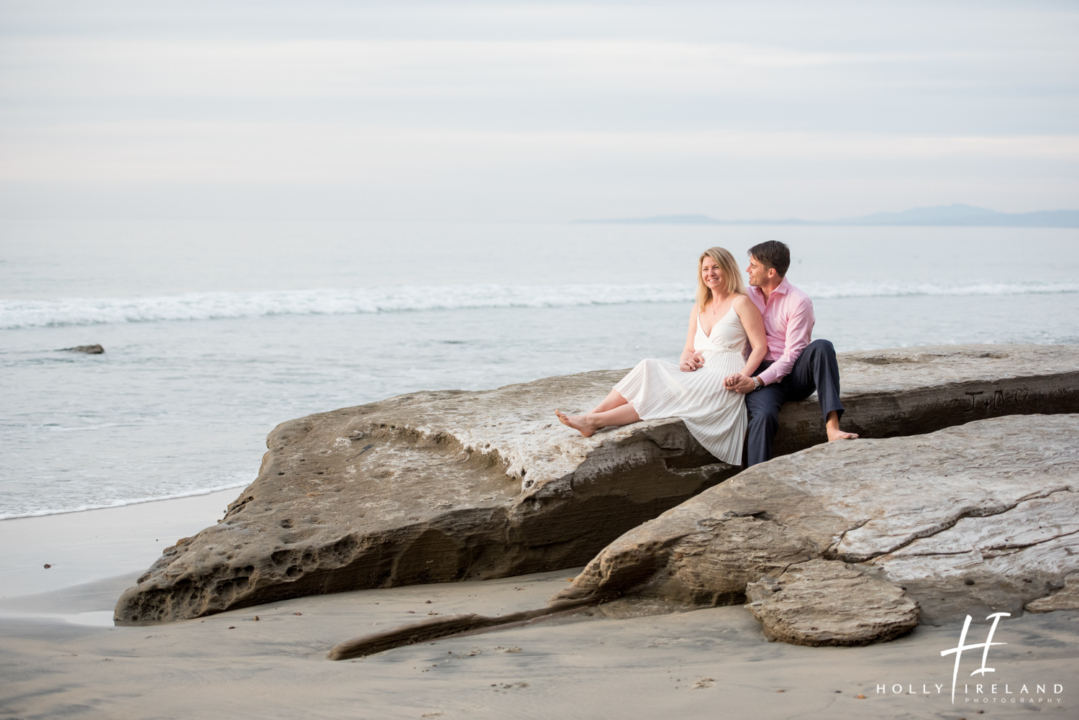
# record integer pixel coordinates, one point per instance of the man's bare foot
(837, 434)
(831, 425)
(577, 422)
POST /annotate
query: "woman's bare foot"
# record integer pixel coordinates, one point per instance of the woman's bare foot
(577, 422)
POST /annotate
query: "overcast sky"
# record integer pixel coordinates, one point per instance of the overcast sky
(535, 111)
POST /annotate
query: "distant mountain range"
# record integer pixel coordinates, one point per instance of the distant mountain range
(949, 215)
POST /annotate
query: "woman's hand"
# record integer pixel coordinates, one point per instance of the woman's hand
(691, 362)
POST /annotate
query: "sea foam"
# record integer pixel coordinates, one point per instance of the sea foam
(67, 506)
(227, 305)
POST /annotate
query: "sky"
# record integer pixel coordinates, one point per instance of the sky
(534, 111)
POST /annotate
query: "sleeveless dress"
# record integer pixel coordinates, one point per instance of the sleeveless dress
(714, 415)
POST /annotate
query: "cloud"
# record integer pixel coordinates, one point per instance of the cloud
(296, 152)
(299, 69)
(632, 99)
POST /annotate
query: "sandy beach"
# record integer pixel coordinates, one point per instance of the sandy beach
(60, 656)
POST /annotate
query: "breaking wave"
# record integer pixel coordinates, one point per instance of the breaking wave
(229, 305)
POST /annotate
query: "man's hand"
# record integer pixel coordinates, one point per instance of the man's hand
(739, 383)
(691, 363)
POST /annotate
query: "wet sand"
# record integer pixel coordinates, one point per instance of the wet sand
(60, 656)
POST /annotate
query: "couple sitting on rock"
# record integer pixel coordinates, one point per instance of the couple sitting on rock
(716, 381)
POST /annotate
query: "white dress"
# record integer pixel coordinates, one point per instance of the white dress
(714, 415)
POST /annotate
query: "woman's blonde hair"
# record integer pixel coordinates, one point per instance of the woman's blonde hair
(731, 274)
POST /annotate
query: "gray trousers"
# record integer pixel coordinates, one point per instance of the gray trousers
(815, 369)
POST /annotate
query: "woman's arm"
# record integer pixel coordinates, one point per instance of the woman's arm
(691, 359)
(754, 324)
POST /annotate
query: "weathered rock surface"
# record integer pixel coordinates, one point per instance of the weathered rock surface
(428, 487)
(1065, 599)
(819, 602)
(911, 391)
(440, 486)
(966, 520)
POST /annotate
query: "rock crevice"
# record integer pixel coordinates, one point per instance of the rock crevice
(1013, 539)
(440, 486)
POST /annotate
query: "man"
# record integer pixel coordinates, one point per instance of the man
(793, 367)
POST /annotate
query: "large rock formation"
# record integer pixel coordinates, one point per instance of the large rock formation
(440, 486)
(836, 544)
(427, 487)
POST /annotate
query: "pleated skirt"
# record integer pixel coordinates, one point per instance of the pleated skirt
(714, 415)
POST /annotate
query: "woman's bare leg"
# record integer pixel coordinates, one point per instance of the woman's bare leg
(589, 423)
(614, 399)
(624, 414)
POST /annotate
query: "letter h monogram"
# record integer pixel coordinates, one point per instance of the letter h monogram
(995, 617)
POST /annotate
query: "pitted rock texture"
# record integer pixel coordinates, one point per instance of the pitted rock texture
(823, 602)
(441, 486)
(427, 487)
(980, 517)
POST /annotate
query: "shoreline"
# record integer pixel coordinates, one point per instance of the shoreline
(60, 655)
(93, 545)
(123, 504)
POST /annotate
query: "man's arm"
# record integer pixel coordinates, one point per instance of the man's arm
(799, 332)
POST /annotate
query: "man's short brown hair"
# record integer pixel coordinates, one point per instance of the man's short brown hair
(773, 254)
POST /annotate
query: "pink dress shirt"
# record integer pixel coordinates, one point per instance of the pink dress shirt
(788, 327)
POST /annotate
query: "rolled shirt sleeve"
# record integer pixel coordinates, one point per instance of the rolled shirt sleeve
(800, 321)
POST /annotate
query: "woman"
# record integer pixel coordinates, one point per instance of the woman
(721, 322)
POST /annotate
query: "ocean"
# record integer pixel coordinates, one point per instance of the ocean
(214, 332)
